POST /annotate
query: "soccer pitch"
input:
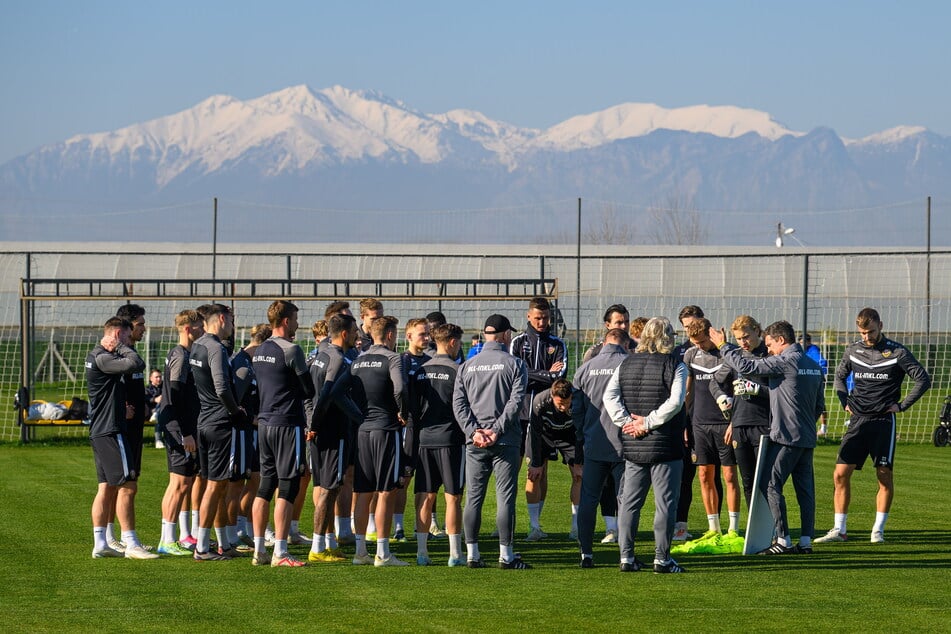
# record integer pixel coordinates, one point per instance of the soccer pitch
(52, 584)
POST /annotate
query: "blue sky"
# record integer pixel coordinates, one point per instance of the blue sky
(859, 67)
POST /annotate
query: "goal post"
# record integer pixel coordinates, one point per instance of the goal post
(61, 319)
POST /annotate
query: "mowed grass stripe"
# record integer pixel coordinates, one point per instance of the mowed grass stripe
(52, 584)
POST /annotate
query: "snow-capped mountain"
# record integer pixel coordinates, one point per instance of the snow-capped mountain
(351, 149)
(640, 119)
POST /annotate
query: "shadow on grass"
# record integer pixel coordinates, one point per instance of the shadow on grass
(51, 441)
(904, 550)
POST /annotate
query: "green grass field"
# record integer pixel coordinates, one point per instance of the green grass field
(52, 584)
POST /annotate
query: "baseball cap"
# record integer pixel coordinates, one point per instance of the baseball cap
(496, 324)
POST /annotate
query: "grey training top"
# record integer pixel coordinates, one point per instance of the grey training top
(602, 438)
(488, 394)
(796, 394)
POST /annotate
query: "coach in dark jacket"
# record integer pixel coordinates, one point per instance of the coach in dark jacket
(645, 399)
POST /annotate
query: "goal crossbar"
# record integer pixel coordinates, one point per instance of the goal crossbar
(312, 289)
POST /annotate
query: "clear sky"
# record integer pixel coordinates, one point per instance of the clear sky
(858, 67)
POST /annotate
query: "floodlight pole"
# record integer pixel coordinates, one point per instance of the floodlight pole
(805, 295)
(214, 240)
(578, 285)
(928, 285)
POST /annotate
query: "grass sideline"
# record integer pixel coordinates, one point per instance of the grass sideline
(52, 584)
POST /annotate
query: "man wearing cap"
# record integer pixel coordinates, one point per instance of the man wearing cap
(486, 401)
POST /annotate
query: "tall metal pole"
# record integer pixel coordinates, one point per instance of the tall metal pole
(928, 289)
(25, 350)
(805, 294)
(578, 285)
(214, 242)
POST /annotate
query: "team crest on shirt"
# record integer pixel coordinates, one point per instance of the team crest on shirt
(551, 349)
(886, 353)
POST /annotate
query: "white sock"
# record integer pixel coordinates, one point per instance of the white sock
(397, 522)
(331, 540)
(574, 517)
(242, 525)
(204, 539)
(184, 525)
(110, 531)
(610, 523)
(714, 522)
(294, 527)
(99, 538)
(342, 525)
(221, 534)
(434, 522)
(319, 544)
(168, 531)
(383, 548)
(840, 521)
(880, 519)
(506, 553)
(422, 547)
(371, 525)
(455, 546)
(195, 525)
(534, 515)
(259, 547)
(232, 533)
(734, 520)
(472, 551)
(361, 544)
(130, 539)
(280, 548)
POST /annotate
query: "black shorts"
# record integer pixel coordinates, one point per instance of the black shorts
(252, 459)
(282, 452)
(111, 456)
(441, 467)
(328, 460)
(217, 451)
(132, 434)
(709, 447)
(180, 462)
(244, 449)
(378, 465)
(869, 436)
(554, 444)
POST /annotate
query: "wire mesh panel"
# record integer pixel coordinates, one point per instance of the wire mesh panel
(820, 291)
(65, 319)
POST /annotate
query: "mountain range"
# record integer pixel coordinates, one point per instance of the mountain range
(312, 158)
